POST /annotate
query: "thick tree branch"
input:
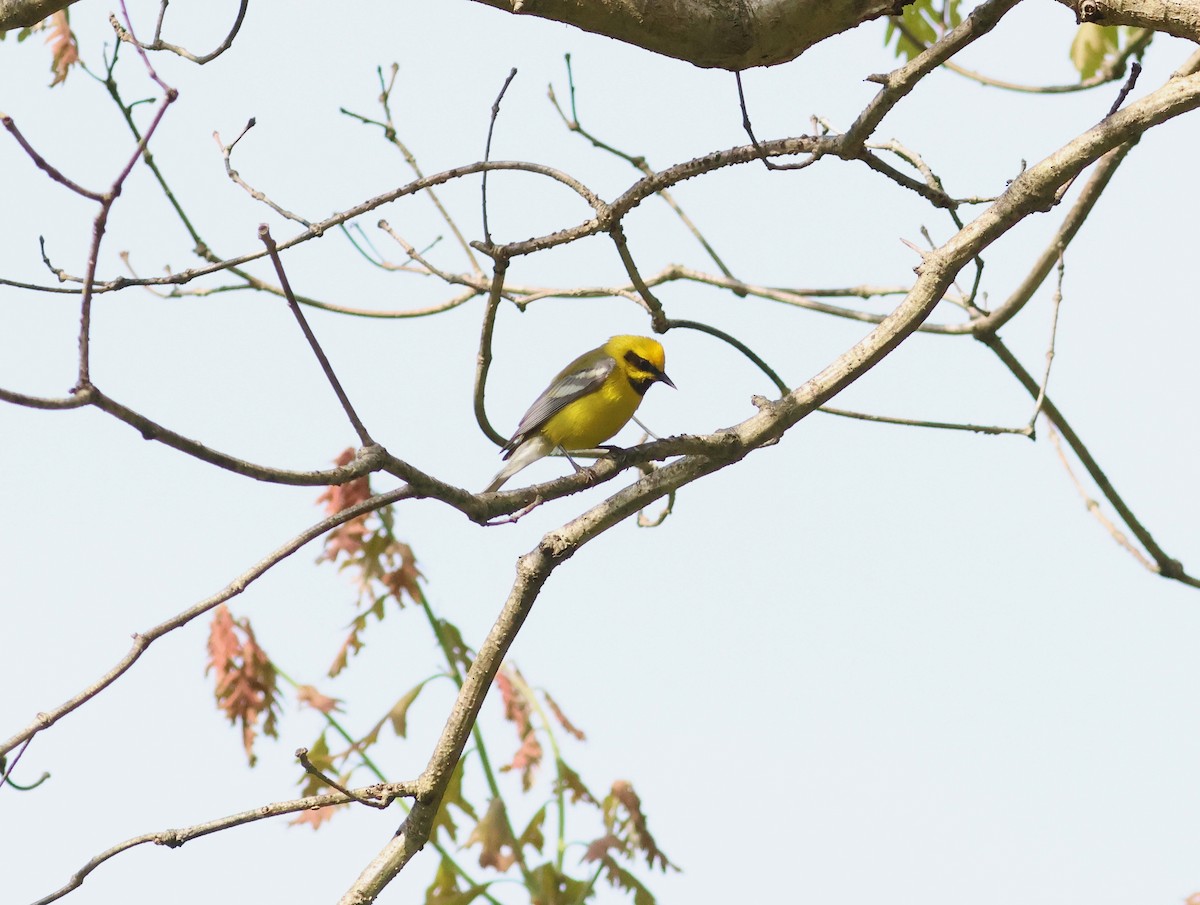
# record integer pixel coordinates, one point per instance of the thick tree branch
(713, 34)
(1180, 18)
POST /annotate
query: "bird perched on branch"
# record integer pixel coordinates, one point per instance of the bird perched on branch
(590, 400)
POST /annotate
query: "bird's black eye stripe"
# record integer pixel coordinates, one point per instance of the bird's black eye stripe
(640, 363)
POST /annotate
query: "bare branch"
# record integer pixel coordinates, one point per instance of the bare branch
(142, 641)
(264, 234)
(379, 795)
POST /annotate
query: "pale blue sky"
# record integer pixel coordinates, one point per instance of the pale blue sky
(868, 664)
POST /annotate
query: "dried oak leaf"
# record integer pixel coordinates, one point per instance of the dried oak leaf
(527, 759)
(518, 711)
(633, 823)
(346, 538)
(63, 46)
(309, 695)
(403, 579)
(562, 718)
(598, 849)
(245, 677)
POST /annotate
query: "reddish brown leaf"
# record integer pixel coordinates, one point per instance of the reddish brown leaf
(562, 718)
(633, 823)
(309, 695)
(403, 579)
(600, 847)
(63, 46)
(527, 759)
(517, 710)
(245, 677)
(494, 836)
(346, 538)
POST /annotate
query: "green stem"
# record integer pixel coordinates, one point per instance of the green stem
(560, 792)
(370, 765)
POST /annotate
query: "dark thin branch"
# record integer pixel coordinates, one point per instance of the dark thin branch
(42, 164)
(264, 234)
(1166, 566)
(487, 150)
(749, 130)
(483, 360)
(737, 344)
(159, 44)
(939, 425)
(1135, 70)
(311, 770)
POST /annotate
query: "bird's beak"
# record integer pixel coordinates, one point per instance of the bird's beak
(663, 378)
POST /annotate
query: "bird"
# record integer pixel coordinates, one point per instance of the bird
(586, 403)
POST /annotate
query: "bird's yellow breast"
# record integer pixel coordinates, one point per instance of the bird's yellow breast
(591, 420)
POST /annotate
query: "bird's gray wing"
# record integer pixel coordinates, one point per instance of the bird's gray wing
(574, 381)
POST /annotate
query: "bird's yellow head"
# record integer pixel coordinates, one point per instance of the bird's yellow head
(641, 358)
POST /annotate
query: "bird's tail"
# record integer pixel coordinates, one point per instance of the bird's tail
(527, 452)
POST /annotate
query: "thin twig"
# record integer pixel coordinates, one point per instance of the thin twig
(483, 360)
(264, 234)
(1166, 565)
(1055, 305)
(1094, 507)
(939, 425)
(573, 124)
(749, 130)
(1135, 70)
(385, 792)
(487, 150)
(311, 770)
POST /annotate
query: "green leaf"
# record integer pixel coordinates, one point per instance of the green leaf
(444, 889)
(922, 21)
(619, 876)
(532, 834)
(568, 780)
(1092, 45)
(494, 837)
(549, 887)
(452, 639)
